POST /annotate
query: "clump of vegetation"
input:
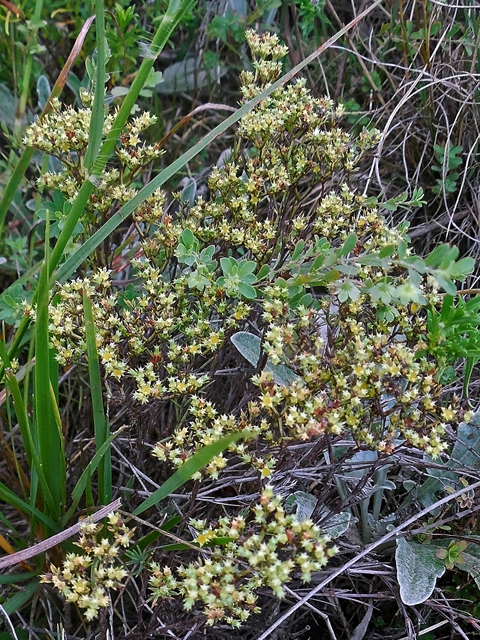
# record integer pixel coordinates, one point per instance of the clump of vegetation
(85, 579)
(252, 255)
(264, 552)
(268, 325)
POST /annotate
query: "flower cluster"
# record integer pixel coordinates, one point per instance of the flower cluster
(361, 377)
(64, 132)
(266, 550)
(157, 337)
(252, 257)
(86, 578)
(206, 427)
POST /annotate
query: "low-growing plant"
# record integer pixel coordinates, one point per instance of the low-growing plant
(280, 306)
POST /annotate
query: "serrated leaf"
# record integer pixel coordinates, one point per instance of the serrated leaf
(417, 570)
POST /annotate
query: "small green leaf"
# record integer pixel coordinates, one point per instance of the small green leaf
(187, 239)
(387, 251)
(402, 249)
(437, 256)
(348, 245)
(247, 291)
(299, 247)
(228, 265)
(246, 267)
(265, 270)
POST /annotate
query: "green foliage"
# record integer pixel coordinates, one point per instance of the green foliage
(342, 330)
(238, 278)
(308, 13)
(448, 160)
(453, 333)
(453, 554)
(11, 310)
(420, 565)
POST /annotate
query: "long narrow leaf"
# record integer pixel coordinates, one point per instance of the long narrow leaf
(19, 599)
(99, 418)
(62, 470)
(98, 112)
(49, 450)
(27, 437)
(17, 577)
(196, 463)
(6, 495)
(22, 416)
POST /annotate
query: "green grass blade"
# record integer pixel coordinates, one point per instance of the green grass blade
(196, 463)
(98, 111)
(19, 599)
(467, 373)
(99, 418)
(22, 416)
(62, 471)
(49, 447)
(17, 577)
(27, 438)
(4, 357)
(12, 499)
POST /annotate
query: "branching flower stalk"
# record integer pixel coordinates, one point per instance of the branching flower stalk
(86, 579)
(265, 551)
